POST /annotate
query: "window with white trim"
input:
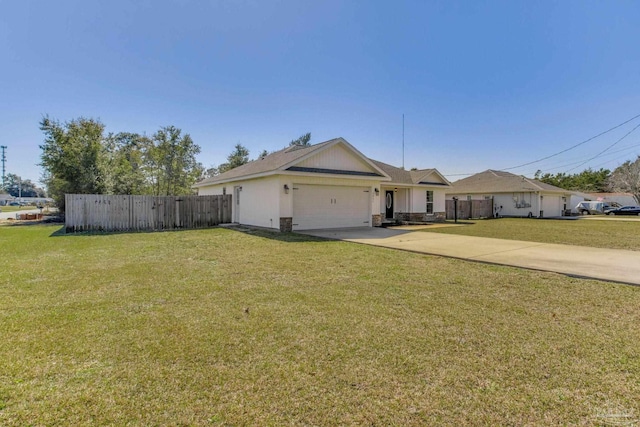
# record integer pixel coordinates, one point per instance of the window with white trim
(429, 202)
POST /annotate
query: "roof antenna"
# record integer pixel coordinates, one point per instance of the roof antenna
(402, 140)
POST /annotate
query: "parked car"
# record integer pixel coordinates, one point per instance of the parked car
(625, 210)
(14, 204)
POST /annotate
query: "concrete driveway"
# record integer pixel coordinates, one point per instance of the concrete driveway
(610, 218)
(7, 215)
(578, 261)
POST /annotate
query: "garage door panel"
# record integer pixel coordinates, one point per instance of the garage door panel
(551, 206)
(324, 206)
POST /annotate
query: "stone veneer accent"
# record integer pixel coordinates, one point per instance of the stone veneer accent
(420, 217)
(440, 216)
(376, 220)
(286, 224)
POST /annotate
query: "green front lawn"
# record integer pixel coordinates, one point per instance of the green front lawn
(15, 208)
(597, 234)
(220, 327)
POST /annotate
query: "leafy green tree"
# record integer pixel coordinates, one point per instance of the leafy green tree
(78, 158)
(302, 141)
(210, 172)
(238, 157)
(587, 180)
(127, 163)
(171, 162)
(73, 157)
(626, 178)
(16, 186)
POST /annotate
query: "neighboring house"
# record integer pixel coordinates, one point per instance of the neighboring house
(624, 199)
(5, 199)
(327, 185)
(512, 195)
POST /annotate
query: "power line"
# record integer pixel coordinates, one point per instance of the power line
(611, 160)
(567, 149)
(573, 146)
(562, 165)
(606, 149)
(459, 174)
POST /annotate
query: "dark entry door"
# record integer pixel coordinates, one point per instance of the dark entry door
(388, 204)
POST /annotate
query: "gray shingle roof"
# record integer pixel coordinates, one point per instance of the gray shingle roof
(491, 181)
(288, 155)
(268, 163)
(401, 176)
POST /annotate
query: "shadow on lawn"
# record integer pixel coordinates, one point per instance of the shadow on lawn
(258, 232)
(276, 235)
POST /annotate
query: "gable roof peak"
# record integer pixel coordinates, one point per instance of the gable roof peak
(280, 160)
(402, 176)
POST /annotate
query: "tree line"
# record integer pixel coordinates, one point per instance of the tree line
(79, 157)
(589, 181)
(240, 156)
(18, 187)
(624, 179)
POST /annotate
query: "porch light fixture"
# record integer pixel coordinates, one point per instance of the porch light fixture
(286, 189)
(376, 191)
(395, 189)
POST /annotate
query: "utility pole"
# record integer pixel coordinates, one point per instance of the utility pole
(4, 160)
(403, 141)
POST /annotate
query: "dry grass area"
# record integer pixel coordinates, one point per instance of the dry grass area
(612, 234)
(220, 327)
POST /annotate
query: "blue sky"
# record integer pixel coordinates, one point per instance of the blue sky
(482, 84)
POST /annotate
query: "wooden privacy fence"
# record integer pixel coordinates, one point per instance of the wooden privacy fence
(97, 212)
(470, 209)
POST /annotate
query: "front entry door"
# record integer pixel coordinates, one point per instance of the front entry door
(388, 204)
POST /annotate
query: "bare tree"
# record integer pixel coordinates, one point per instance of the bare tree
(626, 179)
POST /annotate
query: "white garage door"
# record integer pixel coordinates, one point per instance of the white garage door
(551, 206)
(330, 206)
